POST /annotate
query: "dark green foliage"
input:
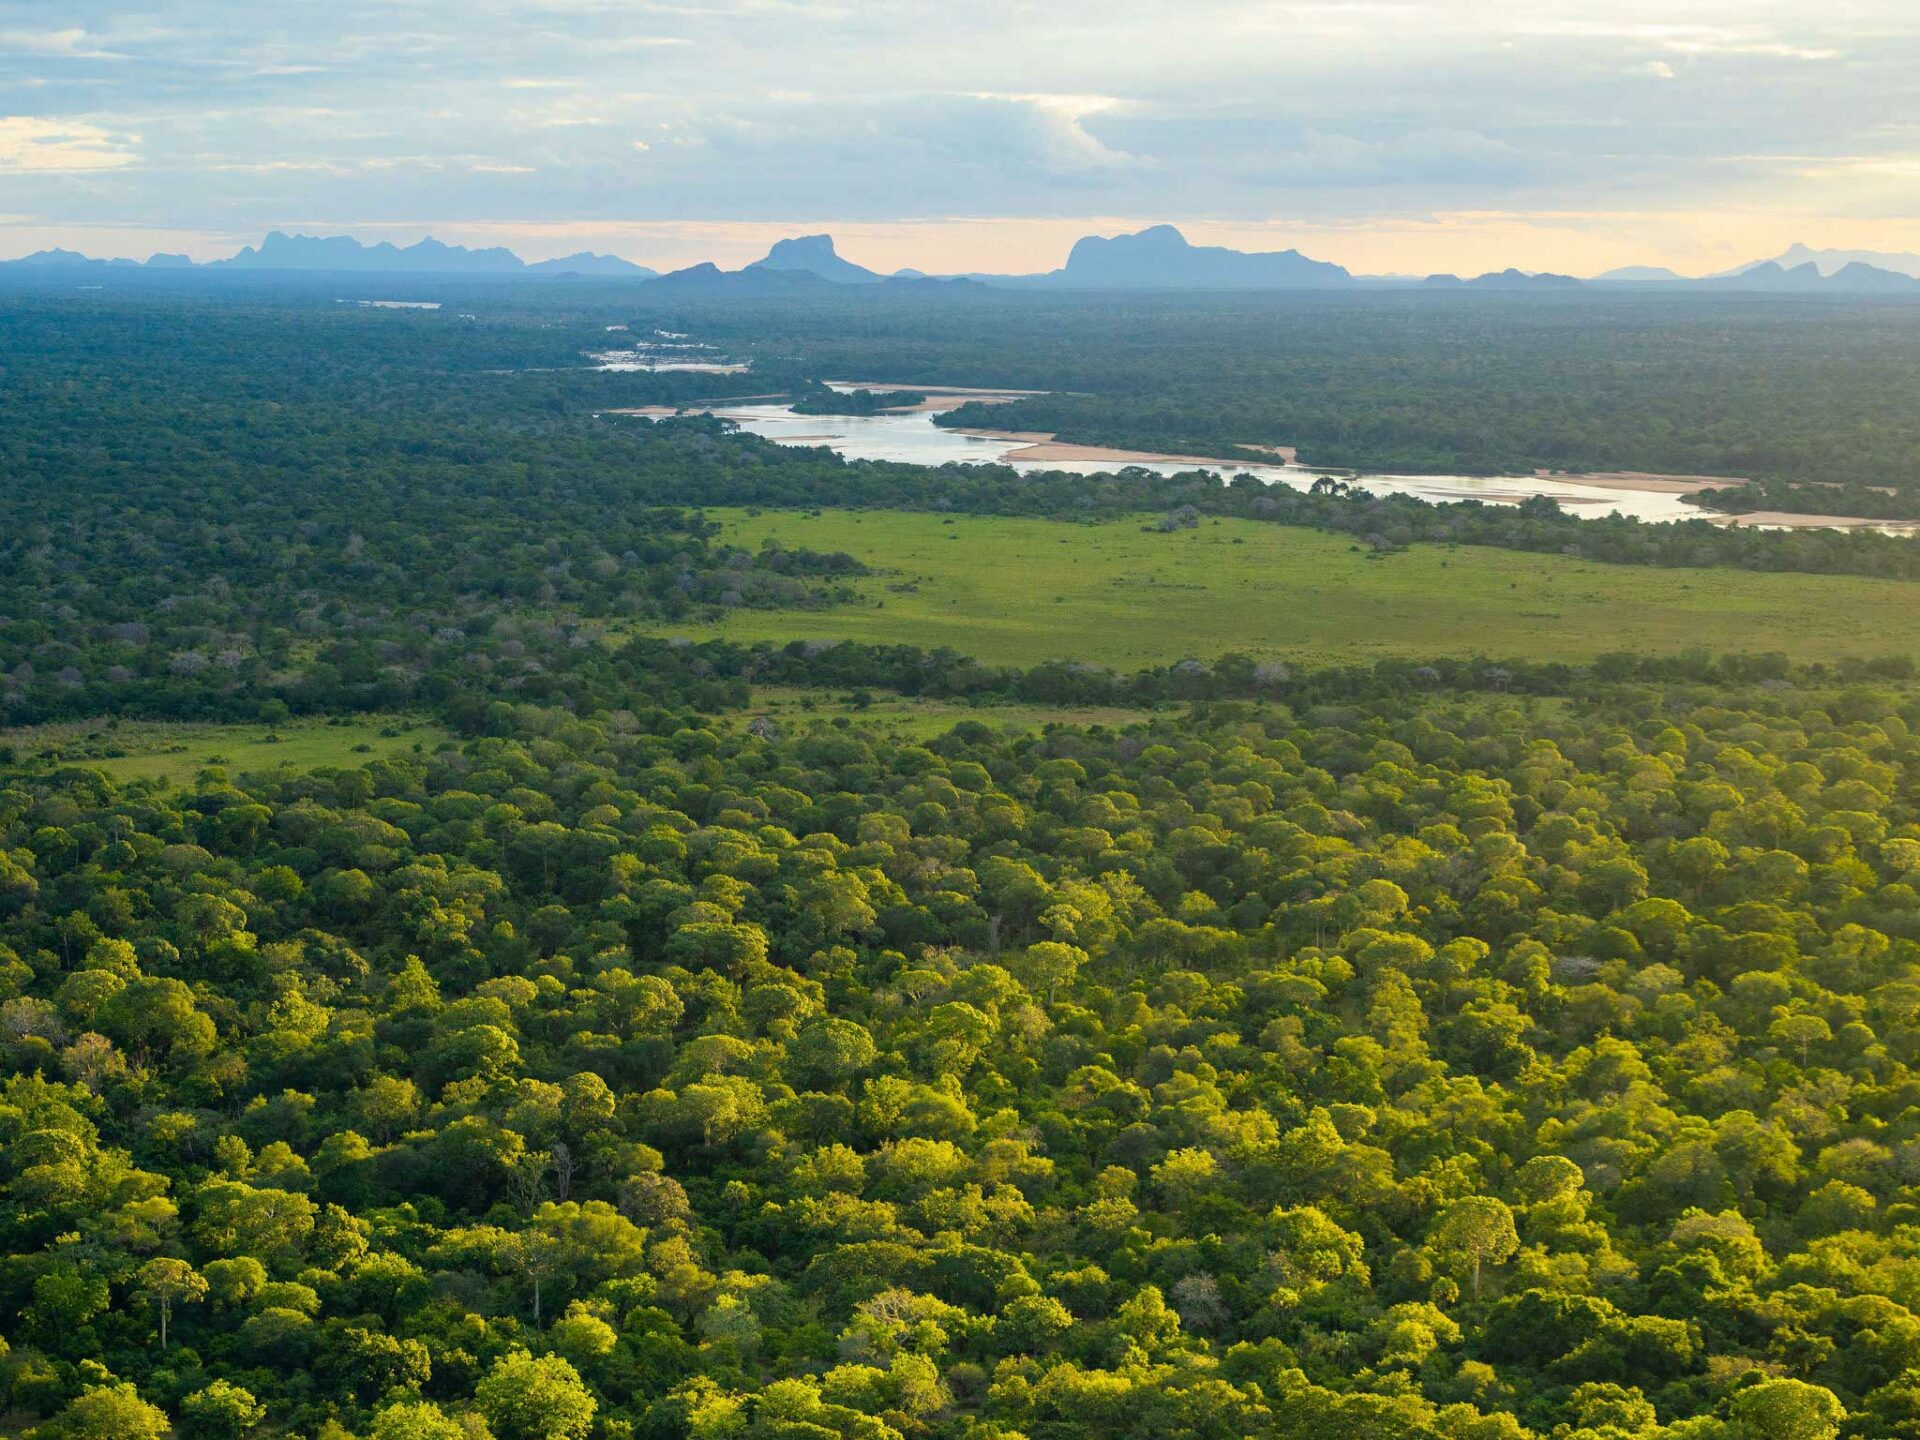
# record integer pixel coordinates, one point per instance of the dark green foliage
(822, 400)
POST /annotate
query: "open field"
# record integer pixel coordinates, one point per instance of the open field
(176, 752)
(1015, 591)
(918, 716)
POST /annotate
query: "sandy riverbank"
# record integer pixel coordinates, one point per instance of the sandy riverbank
(697, 407)
(978, 392)
(1411, 486)
(941, 398)
(1641, 480)
(1794, 520)
(1040, 445)
(940, 404)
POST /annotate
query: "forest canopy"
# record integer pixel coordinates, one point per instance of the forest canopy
(1446, 1048)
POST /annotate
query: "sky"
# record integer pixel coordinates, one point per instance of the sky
(1392, 136)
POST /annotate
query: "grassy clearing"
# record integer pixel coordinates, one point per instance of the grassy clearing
(176, 752)
(919, 717)
(1120, 594)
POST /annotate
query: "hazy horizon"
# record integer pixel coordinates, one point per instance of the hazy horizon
(1385, 135)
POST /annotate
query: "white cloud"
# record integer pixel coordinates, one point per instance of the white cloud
(1327, 112)
(72, 43)
(43, 145)
(1064, 139)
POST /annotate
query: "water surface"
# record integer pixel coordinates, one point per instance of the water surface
(915, 439)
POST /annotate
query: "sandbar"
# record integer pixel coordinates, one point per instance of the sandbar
(892, 389)
(1039, 445)
(1794, 520)
(1641, 480)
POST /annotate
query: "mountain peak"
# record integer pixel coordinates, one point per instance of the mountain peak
(1642, 274)
(816, 255)
(800, 247)
(281, 251)
(1160, 257)
(585, 262)
(1836, 262)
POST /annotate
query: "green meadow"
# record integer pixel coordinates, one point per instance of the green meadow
(176, 752)
(917, 717)
(1122, 594)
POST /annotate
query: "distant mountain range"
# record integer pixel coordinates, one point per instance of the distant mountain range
(280, 251)
(1854, 278)
(1831, 262)
(1505, 280)
(1157, 258)
(345, 255)
(1160, 258)
(1640, 275)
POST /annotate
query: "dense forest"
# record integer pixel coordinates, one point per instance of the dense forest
(1444, 1049)
(1816, 400)
(1457, 1067)
(208, 506)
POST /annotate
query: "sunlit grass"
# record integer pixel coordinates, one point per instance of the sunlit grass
(1121, 594)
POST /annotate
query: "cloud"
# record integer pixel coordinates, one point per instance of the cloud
(1433, 157)
(274, 167)
(232, 117)
(43, 145)
(1060, 129)
(72, 43)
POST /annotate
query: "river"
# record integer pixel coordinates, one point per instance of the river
(913, 438)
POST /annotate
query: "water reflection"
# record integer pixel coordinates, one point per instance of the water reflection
(915, 439)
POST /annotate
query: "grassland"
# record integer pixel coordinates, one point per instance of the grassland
(175, 753)
(918, 717)
(1122, 594)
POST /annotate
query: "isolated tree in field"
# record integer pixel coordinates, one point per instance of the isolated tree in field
(1477, 1230)
(166, 1282)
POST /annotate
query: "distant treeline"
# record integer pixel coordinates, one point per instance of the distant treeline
(347, 509)
(1816, 399)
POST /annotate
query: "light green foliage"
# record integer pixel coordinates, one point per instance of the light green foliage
(220, 1411)
(110, 1412)
(535, 1398)
(1415, 1063)
(1787, 1410)
(1119, 594)
(420, 1420)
